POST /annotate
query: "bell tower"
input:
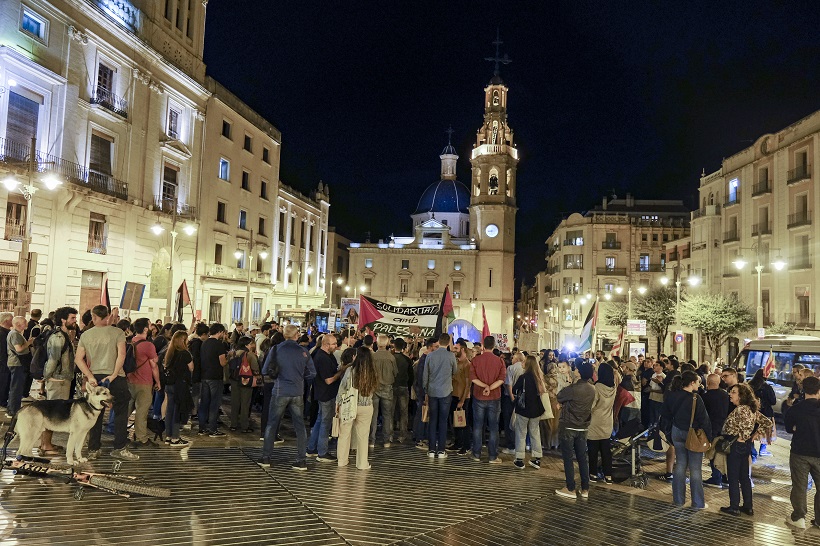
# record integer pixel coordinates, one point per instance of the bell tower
(494, 160)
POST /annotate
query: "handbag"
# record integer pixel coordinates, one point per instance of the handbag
(425, 416)
(521, 399)
(723, 444)
(459, 419)
(350, 405)
(696, 439)
(545, 401)
(334, 429)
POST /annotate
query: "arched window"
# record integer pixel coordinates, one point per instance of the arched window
(495, 133)
(495, 98)
(493, 184)
(711, 198)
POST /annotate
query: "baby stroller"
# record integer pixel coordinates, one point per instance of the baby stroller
(626, 454)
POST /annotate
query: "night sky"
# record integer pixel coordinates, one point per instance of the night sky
(603, 96)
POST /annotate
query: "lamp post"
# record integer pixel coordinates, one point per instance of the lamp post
(339, 281)
(157, 229)
(263, 254)
(24, 266)
(289, 269)
(692, 281)
(779, 263)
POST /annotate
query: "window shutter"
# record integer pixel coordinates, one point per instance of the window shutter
(22, 119)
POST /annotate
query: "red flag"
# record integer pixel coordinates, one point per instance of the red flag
(485, 330)
(368, 314)
(616, 349)
(769, 367)
(104, 298)
(183, 299)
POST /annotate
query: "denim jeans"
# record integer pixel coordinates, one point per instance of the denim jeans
(209, 402)
(437, 426)
(171, 412)
(574, 442)
(489, 409)
(383, 397)
(156, 405)
(278, 405)
(523, 426)
(737, 471)
(506, 416)
(801, 466)
(686, 460)
(122, 398)
(419, 426)
(267, 396)
(655, 409)
(18, 384)
(401, 401)
(321, 430)
(5, 385)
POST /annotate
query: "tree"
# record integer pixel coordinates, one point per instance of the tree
(716, 317)
(615, 314)
(780, 329)
(657, 308)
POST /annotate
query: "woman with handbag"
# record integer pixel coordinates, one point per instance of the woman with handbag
(356, 389)
(683, 413)
(601, 424)
(741, 424)
(529, 408)
(178, 366)
(243, 379)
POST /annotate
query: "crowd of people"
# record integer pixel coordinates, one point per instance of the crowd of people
(446, 396)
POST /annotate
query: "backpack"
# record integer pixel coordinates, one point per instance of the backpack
(241, 369)
(271, 367)
(39, 353)
(130, 364)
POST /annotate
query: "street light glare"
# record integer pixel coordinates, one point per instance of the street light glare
(642, 290)
(264, 254)
(189, 229)
(607, 296)
(237, 254)
(10, 183)
(740, 263)
(339, 281)
(566, 300)
(52, 182)
(619, 289)
(664, 280)
(157, 229)
(693, 281)
(779, 264)
(362, 288)
(309, 270)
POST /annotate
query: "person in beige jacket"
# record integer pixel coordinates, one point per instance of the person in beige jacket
(601, 425)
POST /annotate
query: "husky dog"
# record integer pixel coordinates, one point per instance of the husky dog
(73, 416)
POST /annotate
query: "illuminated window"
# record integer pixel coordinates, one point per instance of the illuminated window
(457, 266)
(224, 169)
(173, 123)
(368, 262)
(431, 264)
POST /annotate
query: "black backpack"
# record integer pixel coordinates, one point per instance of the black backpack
(39, 352)
(130, 364)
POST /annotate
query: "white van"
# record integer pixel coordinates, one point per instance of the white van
(788, 351)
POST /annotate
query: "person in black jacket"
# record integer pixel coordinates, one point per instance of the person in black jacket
(803, 421)
(676, 418)
(717, 406)
(528, 411)
(765, 394)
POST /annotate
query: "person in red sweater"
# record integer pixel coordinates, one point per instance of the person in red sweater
(487, 373)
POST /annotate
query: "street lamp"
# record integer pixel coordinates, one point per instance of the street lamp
(339, 281)
(289, 269)
(779, 263)
(263, 254)
(157, 229)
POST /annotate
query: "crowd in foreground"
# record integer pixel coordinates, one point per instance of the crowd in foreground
(446, 396)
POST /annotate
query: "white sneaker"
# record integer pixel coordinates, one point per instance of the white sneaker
(566, 493)
(125, 455)
(800, 524)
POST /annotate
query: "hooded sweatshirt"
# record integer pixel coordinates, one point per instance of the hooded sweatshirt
(600, 427)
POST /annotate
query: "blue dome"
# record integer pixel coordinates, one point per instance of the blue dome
(444, 196)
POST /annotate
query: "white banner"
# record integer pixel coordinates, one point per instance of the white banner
(384, 318)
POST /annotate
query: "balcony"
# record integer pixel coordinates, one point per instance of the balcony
(613, 271)
(731, 271)
(708, 210)
(802, 218)
(650, 268)
(573, 267)
(731, 236)
(575, 242)
(16, 156)
(761, 188)
(97, 244)
(110, 101)
(553, 270)
(169, 205)
(801, 263)
(426, 297)
(798, 174)
(15, 231)
(763, 228)
(801, 320)
(731, 200)
(610, 245)
(554, 293)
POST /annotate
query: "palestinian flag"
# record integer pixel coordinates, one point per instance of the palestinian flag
(588, 332)
(183, 299)
(446, 313)
(105, 299)
(368, 314)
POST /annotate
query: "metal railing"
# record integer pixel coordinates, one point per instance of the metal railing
(574, 242)
(17, 156)
(731, 236)
(167, 205)
(731, 200)
(800, 319)
(762, 187)
(762, 228)
(15, 231)
(610, 245)
(801, 172)
(110, 101)
(97, 244)
(573, 266)
(802, 263)
(802, 218)
(650, 268)
(614, 271)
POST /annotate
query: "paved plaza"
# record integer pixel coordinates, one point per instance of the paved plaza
(220, 496)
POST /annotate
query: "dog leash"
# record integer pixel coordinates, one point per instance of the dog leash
(8, 437)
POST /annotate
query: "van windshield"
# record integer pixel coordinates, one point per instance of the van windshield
(783, 362)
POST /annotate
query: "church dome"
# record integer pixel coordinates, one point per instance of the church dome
(444, 196)
(449, 150)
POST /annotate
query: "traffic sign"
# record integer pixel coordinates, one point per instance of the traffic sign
(678, 337)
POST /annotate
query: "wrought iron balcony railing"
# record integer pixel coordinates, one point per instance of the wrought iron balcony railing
(110, 101)
(801, 172)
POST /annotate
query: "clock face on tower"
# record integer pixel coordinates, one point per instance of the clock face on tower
(491, 230)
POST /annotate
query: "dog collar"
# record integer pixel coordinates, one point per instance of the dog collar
(95, 407)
